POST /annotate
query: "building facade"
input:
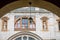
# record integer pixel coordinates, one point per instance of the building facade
(21, 24)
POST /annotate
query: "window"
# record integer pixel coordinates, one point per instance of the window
(30, 38)
(44, 23)
(32, 24)
(25, 38)
(4, 23)
(17, 24)
(23, 23)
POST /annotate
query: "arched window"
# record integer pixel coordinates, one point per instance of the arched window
(44, 23)
(23, 23)
(4, 23)
(17, 24)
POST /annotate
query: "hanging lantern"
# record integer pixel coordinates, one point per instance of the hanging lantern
(30, 19)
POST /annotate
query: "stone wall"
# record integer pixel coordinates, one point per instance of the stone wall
(51, 34)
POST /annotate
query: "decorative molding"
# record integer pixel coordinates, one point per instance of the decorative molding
(5, 18)
(25, 29)
(25, 33)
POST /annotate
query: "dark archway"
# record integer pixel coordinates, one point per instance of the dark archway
(41, 4)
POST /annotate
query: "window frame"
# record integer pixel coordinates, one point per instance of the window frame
(24, 29)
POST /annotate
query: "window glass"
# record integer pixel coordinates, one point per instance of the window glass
(24, 38)
(18, 38)
(30, 38)
(25, 22)
(18, 24)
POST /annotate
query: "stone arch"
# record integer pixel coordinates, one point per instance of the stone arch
(25, 33)
(25, 3)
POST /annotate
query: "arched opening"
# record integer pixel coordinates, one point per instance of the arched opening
(18, 4)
